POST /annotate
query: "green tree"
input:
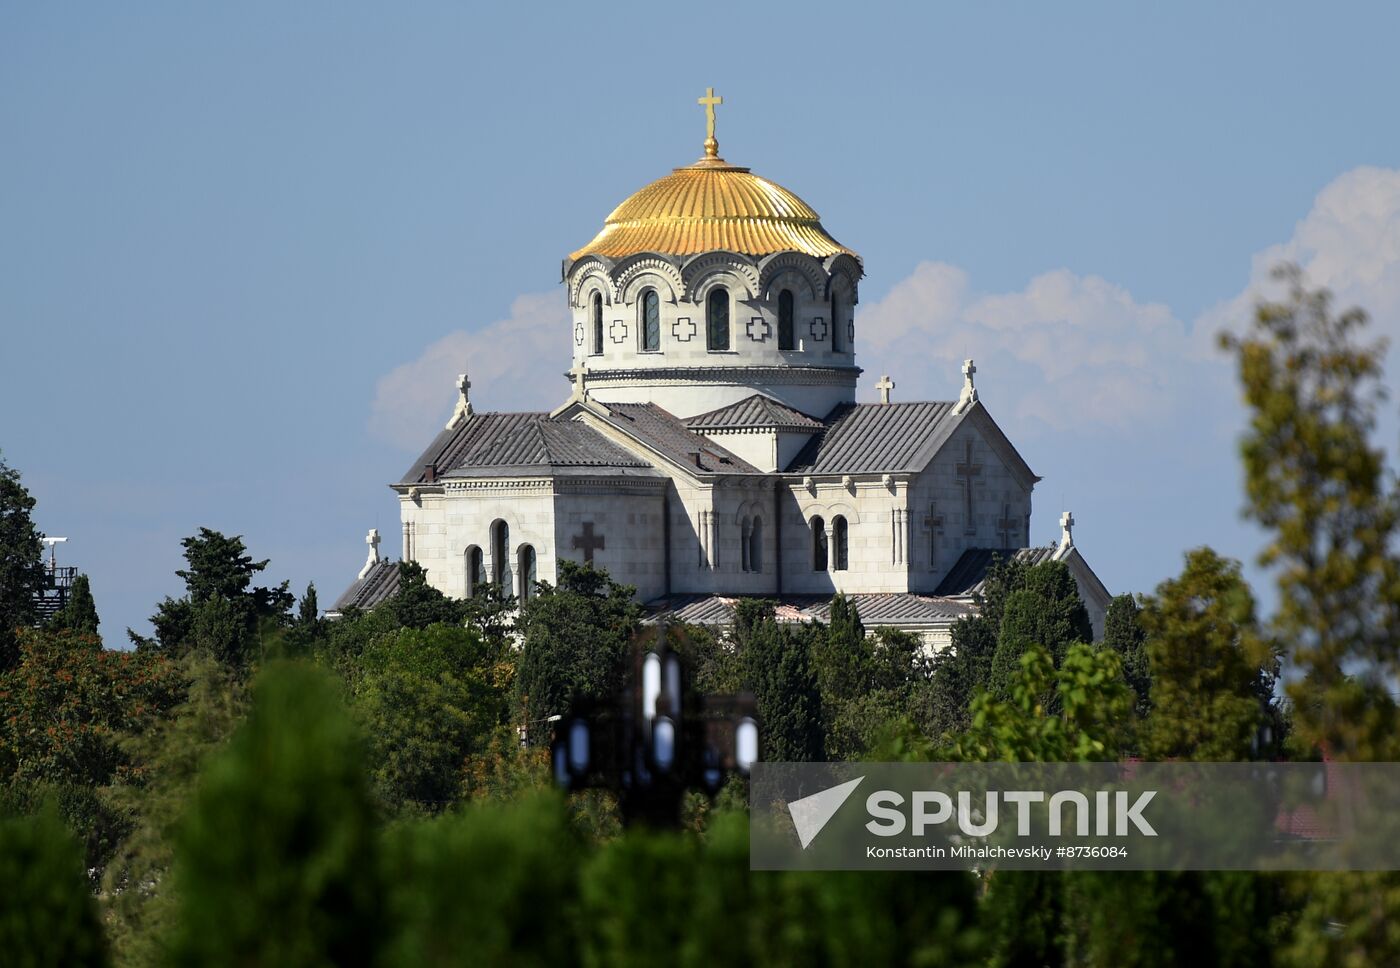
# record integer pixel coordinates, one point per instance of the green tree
(276, 857)
(308, 611)
(1124, 634)
(22, 572)
(155, 794)
(47, 913)
(1319, 486)
(417, 604)
(1045, 610)
(576, 637)
(1213, 672)
(428, 698)
(778, 667)
(494, 884)
(221, 609)
(79, 613)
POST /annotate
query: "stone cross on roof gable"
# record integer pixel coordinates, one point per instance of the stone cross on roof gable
(371, 539)
(1067, 530)
(579, 374)
(464, 403)
(885, 386)
(969, 392)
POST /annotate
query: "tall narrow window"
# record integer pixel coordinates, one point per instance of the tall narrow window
(838, 541)
(785, 341)
(476, 571)
(651, 321)
(717, 319)
(818, 544)
(756, 545)
(500, 542)
(744, 546)
(837, 323)
(597, 325)
(527, 572)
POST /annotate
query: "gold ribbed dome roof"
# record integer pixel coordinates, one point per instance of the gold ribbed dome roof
(712, 205)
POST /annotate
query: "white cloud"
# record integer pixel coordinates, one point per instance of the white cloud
(514, 364)
(1349, 243)
(1067, 350)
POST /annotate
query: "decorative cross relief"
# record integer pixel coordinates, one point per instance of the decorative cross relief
(618, 330)
(818, 328)
(683, 329)
(578, 334)
(1005, 526)
(759, 329)
(589, 542)
(933, 522)
(967, 471)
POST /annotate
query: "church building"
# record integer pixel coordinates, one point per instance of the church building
(711, 447)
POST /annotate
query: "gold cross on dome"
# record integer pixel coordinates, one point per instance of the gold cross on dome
(709, 101)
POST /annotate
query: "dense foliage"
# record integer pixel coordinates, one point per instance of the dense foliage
(258, 786)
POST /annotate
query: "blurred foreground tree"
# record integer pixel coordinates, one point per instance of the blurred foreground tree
(48, 918)
(276, 857)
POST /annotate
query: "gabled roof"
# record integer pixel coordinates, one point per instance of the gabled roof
(668, 436)
(518, 441)
(870, 438)
(380, 584)
(968, 576)
(754, 413)
(889, 608)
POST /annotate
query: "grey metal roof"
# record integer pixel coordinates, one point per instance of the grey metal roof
(669, 436)
(968, 576)
(378, 586)
(869, 438)
(892, 608)
(756, 411)
(518, 440)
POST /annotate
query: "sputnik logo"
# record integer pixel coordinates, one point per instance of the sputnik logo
(810, 814)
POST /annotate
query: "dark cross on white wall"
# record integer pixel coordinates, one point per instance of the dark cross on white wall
(933, 521)
(589, 542)
(1005, 525)
(967, 471)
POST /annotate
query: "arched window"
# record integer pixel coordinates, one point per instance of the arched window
(500, 542)
(476, 571)
(651, 321)
(744, 546)
(597, 324)
(837, 323)
(818, 544)
(785, 340)
(756, 545)
(717, 319)
(838, 541)
(527, 572)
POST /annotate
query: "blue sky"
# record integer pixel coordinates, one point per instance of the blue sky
(243, 248)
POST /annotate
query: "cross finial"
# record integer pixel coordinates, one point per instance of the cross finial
(885, 386)
(1067, 530)
(579, 374)
(464, 403)
(969, 391)
(371, 539)
(709, 101)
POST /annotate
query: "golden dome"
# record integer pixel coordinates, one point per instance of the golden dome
(712, 205)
